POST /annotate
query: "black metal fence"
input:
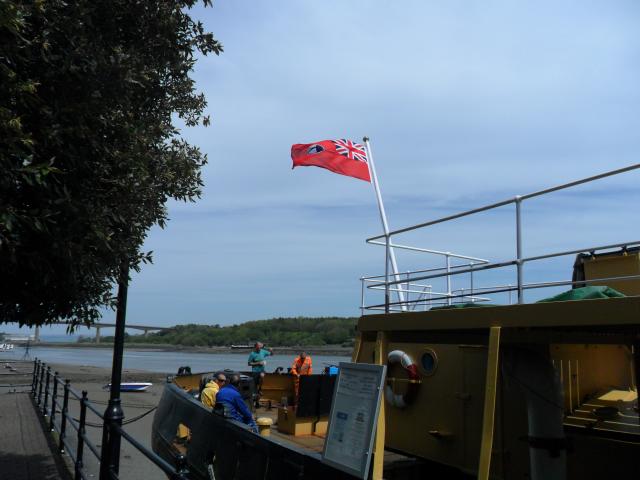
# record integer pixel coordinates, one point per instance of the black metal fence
(47, 388)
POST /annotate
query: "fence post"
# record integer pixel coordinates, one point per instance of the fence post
(41, 382)
(471, 281)
(63, 417)
(34, 377)
(448, 266)
(361, 296)
(81, 432)
(54, 396)
(46, 392)
(386, 274)
(408, 284)
(519, 263)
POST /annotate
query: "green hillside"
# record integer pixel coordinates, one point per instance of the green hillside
(273, 332)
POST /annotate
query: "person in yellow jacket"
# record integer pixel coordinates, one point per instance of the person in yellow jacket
(300, 366)
(210, 390)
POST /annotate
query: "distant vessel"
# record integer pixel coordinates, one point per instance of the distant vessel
(6, 347)
(241, 347)
(19, 338)
(132, 386)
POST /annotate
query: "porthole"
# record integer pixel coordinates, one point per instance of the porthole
(428, 362)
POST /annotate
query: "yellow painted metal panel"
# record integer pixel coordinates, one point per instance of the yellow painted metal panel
(615, 266)
(491, 388)
(582, 313)
(378, 447)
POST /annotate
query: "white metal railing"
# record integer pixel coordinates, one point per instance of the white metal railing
(425, 297)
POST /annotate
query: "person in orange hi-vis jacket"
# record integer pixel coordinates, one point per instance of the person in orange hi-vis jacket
(300, 366)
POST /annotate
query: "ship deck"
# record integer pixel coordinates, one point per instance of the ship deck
(393, 461)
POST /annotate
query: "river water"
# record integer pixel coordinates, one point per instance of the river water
(161, 361)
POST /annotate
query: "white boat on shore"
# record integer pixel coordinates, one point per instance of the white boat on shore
(132, 386)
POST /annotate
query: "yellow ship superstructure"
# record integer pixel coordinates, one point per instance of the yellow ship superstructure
(524, 390)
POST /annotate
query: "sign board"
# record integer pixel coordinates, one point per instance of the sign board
(354, 414)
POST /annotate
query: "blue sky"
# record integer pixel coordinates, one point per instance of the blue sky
(466, 103)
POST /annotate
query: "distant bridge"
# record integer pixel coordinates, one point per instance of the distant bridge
(145, 328)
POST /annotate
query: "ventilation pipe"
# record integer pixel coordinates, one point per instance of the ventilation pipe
(534, 374)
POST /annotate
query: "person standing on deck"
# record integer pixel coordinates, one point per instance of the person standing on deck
(230, 398)
(300, 366)
(257, 362)
(211, 389)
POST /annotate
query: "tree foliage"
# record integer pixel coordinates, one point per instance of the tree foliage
(276, 332)
(89, 154)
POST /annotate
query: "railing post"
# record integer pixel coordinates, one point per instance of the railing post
(386, 274)
(519, 265)
(46, 392)
(182, 472)
(448, 278)
(110, 454)
(34, 377)
(408, 292)
(41, 382)
(81, 433)
(54, 396)
(471, 281)
(63, 416)
(361, 296)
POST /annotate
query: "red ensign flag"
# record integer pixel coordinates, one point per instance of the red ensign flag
(340, 156)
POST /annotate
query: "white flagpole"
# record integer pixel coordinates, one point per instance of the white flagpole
(383, 217)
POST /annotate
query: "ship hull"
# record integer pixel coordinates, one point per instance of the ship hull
(229, 447)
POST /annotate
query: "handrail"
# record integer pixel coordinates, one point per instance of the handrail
(446, 219)
(489, 266)
(527, 286)
(428, 250)
(510, 201)
(434, 269)
(406, 282)
(507, 263)
(41, 381)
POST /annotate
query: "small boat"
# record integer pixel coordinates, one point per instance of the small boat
(132, 386)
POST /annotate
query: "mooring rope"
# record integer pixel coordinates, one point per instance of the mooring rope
(126, 422)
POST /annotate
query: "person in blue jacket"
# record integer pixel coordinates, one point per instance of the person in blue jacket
(229, 396)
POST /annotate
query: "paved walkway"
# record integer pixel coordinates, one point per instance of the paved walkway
(26, 451)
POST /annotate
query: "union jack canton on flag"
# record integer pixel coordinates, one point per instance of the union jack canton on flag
(350, 149)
